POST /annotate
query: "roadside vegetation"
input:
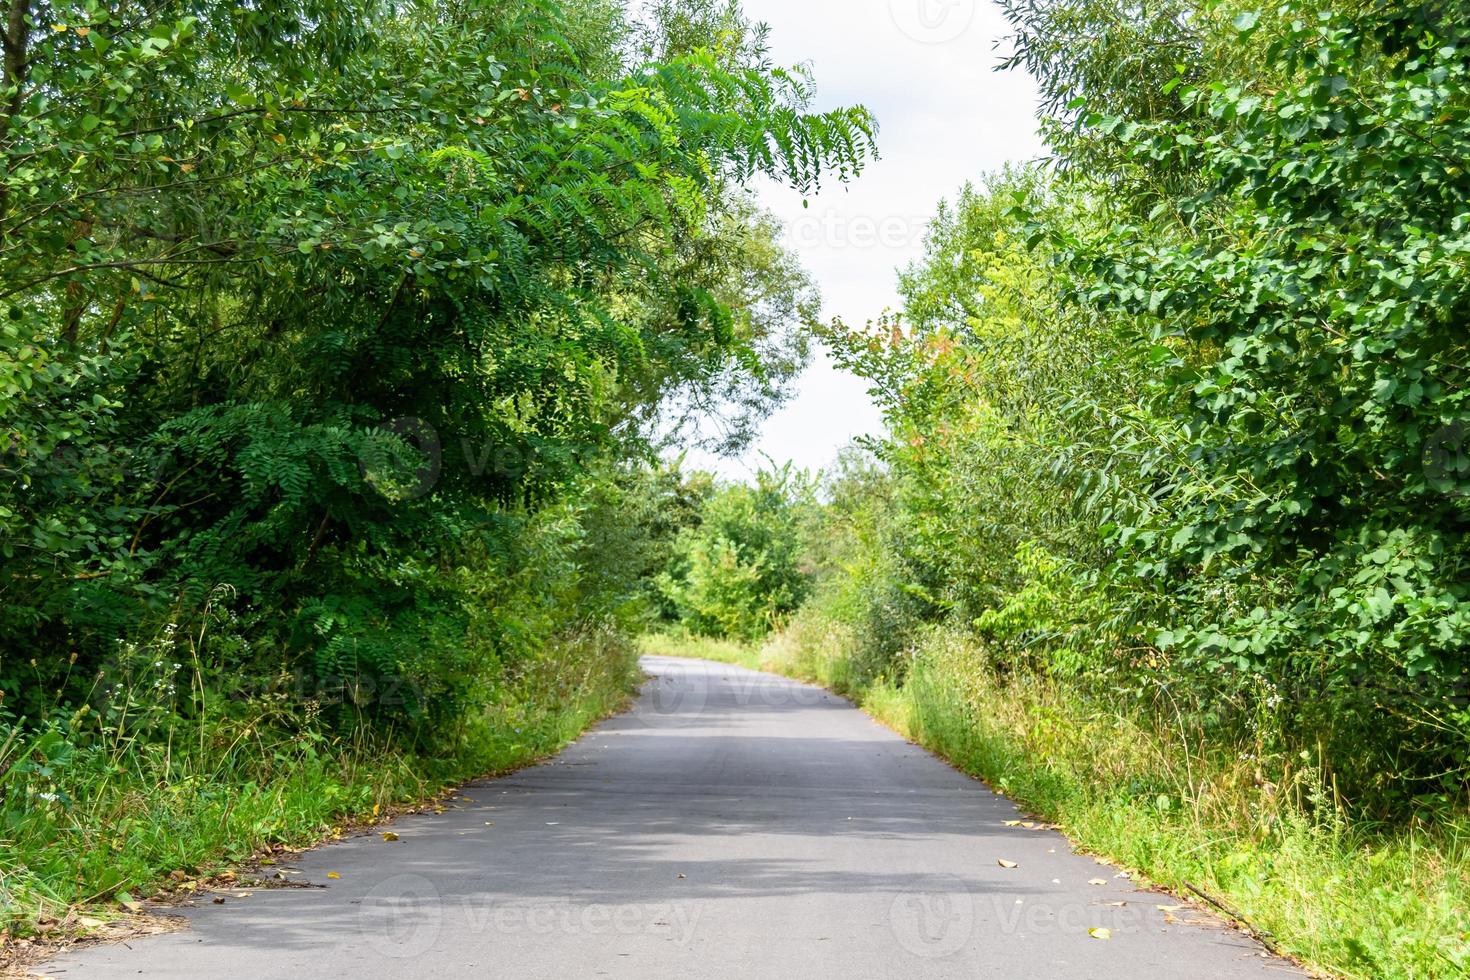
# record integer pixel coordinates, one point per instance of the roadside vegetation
(340, 341)
(1167, 534)
(335, 336)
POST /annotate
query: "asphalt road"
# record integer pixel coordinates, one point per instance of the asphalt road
(733, 825)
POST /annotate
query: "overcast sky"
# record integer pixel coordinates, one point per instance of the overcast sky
(926, 69)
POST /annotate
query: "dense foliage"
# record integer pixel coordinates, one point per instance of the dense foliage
(734, 570)
(1183, 417)
(334, 336)
(311, 308)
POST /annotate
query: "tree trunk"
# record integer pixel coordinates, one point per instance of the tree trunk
(16, 43)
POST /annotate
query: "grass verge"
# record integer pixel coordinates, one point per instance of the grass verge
(1346, 899)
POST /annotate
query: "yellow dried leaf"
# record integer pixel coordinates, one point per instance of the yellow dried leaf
(333, 875)
(1098, 932)
(389, 835)
(1006, 864)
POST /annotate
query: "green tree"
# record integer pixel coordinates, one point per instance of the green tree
(325, 301)
(739, 570)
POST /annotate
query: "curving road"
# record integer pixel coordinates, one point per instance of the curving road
(732, 825)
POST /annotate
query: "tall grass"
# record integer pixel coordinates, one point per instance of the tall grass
(1177, 803)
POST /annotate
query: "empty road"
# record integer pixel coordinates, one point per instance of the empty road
(732, 825)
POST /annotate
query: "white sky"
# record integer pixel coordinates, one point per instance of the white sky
(926, 69)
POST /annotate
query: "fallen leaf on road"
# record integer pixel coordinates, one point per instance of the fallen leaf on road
(681, 876)
(1013, 823)
(1096, 881)
(1006, 864)
(389, 835)
(333, 875)
(1097, 932)
(218, 900)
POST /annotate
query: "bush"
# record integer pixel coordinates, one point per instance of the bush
(737, 573)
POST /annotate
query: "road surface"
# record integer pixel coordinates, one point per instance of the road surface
(732, 825)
